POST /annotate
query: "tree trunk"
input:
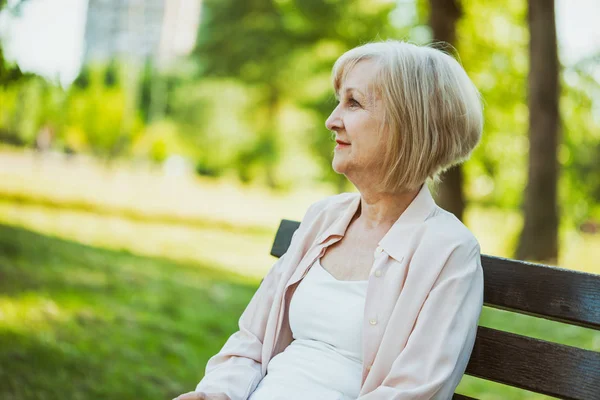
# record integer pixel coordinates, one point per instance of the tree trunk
(539, 238)
(443, 17)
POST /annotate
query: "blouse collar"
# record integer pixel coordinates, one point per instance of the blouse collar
(417, 212)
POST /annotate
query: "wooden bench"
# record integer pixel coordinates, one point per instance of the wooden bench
(553, 293)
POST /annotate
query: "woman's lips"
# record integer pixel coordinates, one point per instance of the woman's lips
(341, 145)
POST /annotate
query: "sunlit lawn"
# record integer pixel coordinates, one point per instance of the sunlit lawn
(78, 322)
(124, 294)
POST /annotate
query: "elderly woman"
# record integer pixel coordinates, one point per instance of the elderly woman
(379, 293)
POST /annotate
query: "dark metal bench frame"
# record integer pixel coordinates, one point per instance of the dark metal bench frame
(540, 366)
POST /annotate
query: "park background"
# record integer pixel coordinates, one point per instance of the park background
(148, 150)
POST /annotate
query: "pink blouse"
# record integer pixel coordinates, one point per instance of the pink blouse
(424, 297)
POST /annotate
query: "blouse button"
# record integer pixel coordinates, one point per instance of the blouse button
(378, 250)
(378, 273)
(373, 321)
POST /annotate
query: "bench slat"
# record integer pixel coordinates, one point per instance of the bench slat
(462, 397)
(553, 293)
(532, 364)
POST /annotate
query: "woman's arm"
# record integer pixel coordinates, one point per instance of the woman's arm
(237, 369)
(202, 396)
(438, 350)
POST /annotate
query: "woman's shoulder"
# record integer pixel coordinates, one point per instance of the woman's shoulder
(338, 202)
(332, 206)
(447, 244)
(443, 226)
(326, 211)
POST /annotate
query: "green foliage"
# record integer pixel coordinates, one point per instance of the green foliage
(83, 79)
(212, 114)
(29, 106)
(10, 100)
(282, 51)
(13, 6)
(579, 154)
(253, 40)
(159, 140)
(492, 43)
(101, 118)
(10, 74)
(90, 116)
(145, 90)
(156, 90)
(111, 74)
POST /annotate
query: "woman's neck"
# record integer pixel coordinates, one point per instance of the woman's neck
(382, 210)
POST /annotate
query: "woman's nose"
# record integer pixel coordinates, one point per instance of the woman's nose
(334, 122)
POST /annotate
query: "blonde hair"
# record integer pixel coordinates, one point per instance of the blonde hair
(432, 110)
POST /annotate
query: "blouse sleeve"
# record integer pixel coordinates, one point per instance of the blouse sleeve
(439, 347)
(236, 369)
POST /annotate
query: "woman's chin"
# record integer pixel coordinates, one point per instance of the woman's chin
(338, 167)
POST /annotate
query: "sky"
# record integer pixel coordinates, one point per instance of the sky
(48, 38)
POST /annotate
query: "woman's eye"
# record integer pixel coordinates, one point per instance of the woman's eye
(353, 103)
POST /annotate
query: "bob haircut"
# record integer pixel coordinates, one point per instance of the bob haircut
(432, 111)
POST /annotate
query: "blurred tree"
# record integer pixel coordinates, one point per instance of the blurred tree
(258, 43)
(83, 78)
(493, 42)
(492, 39)
(98, 118)
(10, 73)
(14, 6)
(111, 74)
(579, 153)
(29, 107)
(539, 238)
(210, 114)
(246, 40)
(145, 100)
(156, 89)
(444, 15)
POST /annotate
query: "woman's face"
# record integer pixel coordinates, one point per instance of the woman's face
(356, 122)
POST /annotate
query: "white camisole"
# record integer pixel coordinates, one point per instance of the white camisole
(324, 361)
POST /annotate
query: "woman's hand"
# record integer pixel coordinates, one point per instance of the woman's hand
(202, 396)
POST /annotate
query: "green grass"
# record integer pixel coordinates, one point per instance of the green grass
(240, 250)
(78, 322)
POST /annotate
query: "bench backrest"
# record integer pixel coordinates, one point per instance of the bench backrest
(548, 292)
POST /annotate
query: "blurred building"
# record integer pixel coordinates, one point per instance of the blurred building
(160, 30)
